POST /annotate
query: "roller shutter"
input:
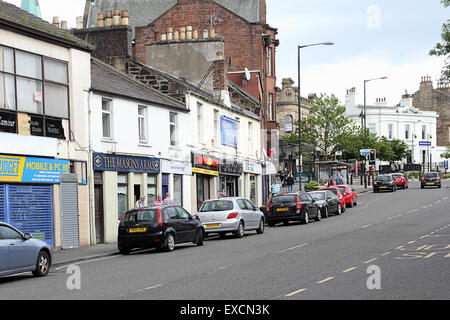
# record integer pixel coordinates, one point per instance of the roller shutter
(69, 212)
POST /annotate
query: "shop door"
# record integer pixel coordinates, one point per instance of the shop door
(70, 235)
(99, 214)
(165, 185)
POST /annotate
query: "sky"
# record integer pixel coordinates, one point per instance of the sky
(372, 39)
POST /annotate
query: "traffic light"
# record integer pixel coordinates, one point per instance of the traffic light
(373, 155)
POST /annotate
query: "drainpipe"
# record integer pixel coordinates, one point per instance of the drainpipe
(90, 177)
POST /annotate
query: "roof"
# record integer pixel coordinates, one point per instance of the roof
(106, 79)
(144, 12)
(23, 22)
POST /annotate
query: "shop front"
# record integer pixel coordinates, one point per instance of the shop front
(252, 181)
(178, 178)
(205, 170)
(229, 180)
(120, 180)
(28, 196)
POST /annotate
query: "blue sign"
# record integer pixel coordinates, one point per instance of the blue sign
(446, 164)
(32, 170)
(120, 163)
(425, 143)
(229, 129)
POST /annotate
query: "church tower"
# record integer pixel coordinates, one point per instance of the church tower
(32, 6)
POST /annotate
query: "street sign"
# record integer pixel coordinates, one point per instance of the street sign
(446, 164)
(425, 143)
(339, 153)
(365, 152)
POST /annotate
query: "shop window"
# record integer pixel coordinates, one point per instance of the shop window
(80, 169)
(122, 193)
(178, 189)
(151, 189)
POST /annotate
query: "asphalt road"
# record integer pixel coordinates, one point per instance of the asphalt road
(401, 238)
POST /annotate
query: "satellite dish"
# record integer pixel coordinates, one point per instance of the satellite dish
(248, 75)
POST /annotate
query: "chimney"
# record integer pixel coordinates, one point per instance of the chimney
(381, 102)
(79, 22)
(350, 102)
(64, 25)
(125, 18)
(406, 101)
(220, 75)
(101, 20)
(56, 22)
(116, 17)
(108, 19)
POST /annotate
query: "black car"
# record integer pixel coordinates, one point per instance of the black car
(327, 202)
(384, 182)
(293, 206)
(430, 179)
(158, 227)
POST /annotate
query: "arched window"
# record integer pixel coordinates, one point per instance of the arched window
(288, 124)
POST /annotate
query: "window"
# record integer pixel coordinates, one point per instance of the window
(270, 107)
(200, 122)
(216, 127)
(424, 132)
(37, 86)
(151, 189)
(9, 234)
(183, 214)
(107, 118)
(269, 61)
(178, 189)
(288, 123)
(173, 128)
(372, 128)
(241, 203)
(390, 130)
(238, 132)
(172, 213)
(250, 138)
(250, 205)
(142, 116)
(406, 131)
(122, 193)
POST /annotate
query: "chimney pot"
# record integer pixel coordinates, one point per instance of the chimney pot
(116, 17)
(56, 22)
(101, 20)
(125, 18)
(108, 19)
(64, 25)
(79, 22)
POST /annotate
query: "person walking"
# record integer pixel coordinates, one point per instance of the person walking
(331, 181)
(167, 200)
(140, 202)
(158, 201)
(339, 180)
(290, 182)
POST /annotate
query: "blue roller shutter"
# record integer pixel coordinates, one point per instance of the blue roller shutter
(2, 202)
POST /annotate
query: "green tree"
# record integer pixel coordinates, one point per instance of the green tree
(325, 126)
(446, 155)
(443, 48)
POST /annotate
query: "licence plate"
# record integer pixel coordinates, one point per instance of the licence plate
(282, 209)
(430, 183)
(217, 225)
(383, 187)
(137, 230)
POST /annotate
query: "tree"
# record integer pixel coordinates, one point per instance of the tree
(443, 49)
(325, 126)
(446, 155)
(399, 150)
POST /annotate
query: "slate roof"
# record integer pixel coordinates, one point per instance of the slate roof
(13, 17)
(107, 80)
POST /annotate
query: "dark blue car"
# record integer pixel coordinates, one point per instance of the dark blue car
(19, 252)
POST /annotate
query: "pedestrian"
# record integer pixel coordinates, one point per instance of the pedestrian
(282, 177)
(290, 182)
(275, 187)
(140, 202)
(339, 180)
(331, 181)
(167, 200)
(158, 201)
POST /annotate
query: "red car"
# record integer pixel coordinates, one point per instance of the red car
(337, 192)
(400, 180)
(349, 194)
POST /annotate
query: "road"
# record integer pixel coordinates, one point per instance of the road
(401, 238)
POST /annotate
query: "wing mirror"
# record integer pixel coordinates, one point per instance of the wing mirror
(27, 236)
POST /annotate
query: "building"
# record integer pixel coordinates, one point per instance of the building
(417, 128)
(44, 72)
(249, 44)
(428, 98)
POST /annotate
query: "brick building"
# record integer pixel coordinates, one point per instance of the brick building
(428, 98)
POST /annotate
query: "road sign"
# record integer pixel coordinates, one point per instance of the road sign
(339, 153)
(425, 143)
(446, 164)
(365, 152)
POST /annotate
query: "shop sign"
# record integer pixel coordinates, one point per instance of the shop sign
(32, 170)
(252, 167)
(8, 122)
(120, 163)
(231, 169)
(176, 167)
(205, 164)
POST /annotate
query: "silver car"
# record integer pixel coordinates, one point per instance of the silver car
(231, 215)
(20, 253)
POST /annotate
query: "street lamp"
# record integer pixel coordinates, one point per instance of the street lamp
(365, 125)
(328, 43)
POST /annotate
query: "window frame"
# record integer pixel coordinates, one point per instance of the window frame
(175, 126)
(111, 114)
(142, 118)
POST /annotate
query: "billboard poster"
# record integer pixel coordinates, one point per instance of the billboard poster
(229, 131)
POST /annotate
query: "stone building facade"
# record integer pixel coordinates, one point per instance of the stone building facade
(428, 98)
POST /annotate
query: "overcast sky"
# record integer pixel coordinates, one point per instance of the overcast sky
(373, 39)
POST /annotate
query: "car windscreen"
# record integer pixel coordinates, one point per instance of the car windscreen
(383, 178)
(431, 175)
(149, 215)
(221, 205)
(397, 175)
(317, 195)
(284, 199)
(342, 189)
(334, 191)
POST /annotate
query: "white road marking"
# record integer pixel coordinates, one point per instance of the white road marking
(349, 269)
(150, 288)
(411, 242)
(367, 226)
(371, 260)
(395, 217)
(428, 206)
(325, 280)
(86, 261)
(385, 254)
(293, 248)
(412, 211)
(295, 292)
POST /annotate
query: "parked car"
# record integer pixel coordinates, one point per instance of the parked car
(327, 201)
(384, 182)
(350, 196)
(431, 179)
(339, 194)
(160, 227)
(292, 206)
(19, 252)
(231, 215)
(401, 180)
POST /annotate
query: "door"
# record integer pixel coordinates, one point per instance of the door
(4, 255)
(253, 212)
(99, 214)
(69, 212)
(176, 222)
(21, 253)
(189, 230)
(245, 213)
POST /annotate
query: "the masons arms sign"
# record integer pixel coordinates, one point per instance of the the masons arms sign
(120, 163)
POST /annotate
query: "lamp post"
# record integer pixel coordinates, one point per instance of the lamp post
(365, 125)
(300, 110)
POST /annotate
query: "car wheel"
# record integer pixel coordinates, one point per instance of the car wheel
(319, 215)
(306, 219)
(200, 237)
(351, 204)
(261, 227)
(343, 209)
(42, 264)
(339, 211)
(271, 223)
(124, 250)
(169, 245)
(356, 203)
(239, 233)
(325, 214)
(222, 234)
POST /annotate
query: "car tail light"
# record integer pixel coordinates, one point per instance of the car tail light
(423, 178)
(439, 178)
(391, 181)
(197, 218)
(232, 215)
(268, 206)
(160, 221)
(298, 205)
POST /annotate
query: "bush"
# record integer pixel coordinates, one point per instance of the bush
(413, 174)
(446, 176)
(312, 185)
